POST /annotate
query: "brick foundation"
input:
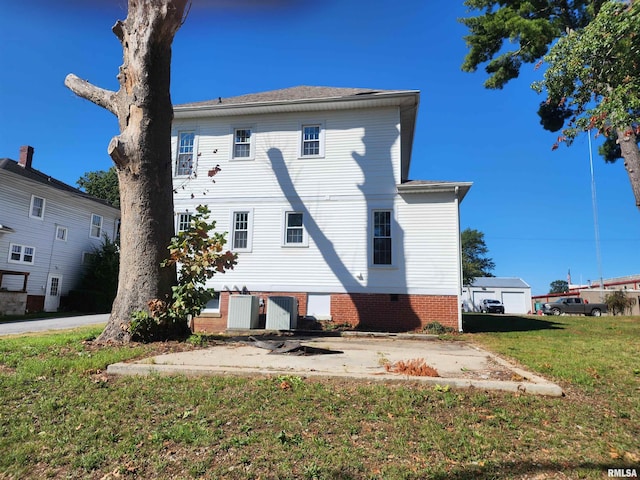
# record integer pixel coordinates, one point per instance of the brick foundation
(394, 312)
(364, 311)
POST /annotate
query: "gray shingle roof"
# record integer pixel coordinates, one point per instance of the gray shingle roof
(290, 94)
(37, 176)
(500, 282)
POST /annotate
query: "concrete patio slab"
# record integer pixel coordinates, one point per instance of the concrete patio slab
(459, 364)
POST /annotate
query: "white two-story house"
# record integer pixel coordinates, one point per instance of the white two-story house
(313, 189)
(47, 231)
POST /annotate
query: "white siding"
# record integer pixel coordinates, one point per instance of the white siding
(358, 172)
(51, 255)
(356, 142)
(430, 243)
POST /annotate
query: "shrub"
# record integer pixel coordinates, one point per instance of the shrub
(436, 328)
(98, 286)
(618, 302)
(199, 253)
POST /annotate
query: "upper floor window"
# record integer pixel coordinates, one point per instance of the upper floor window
(312, 140)
(96, 226)
(382, 246)
(21, 253)
(241, 230)
(186, 142)
(242, 143)
(183, 222)
(295, 234)
(36, 210)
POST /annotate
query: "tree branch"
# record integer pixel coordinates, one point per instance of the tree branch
(99, 96)
(117, 153)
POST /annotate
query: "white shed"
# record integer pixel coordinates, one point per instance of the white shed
(513, 292)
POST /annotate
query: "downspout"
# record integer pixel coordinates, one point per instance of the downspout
(459, 303)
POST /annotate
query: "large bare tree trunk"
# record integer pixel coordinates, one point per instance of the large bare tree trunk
(142, 155)
(631, 155)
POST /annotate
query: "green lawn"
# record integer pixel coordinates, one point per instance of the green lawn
(62, 417)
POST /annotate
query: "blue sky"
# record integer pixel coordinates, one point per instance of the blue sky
(533, 204)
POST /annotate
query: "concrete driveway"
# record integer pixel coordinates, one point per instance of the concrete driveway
(361, 356)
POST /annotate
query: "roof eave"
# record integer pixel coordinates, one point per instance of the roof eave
(221, 109)
(458, 188)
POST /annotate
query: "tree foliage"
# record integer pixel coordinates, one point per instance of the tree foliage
(559, 286)
(475, 263)
(594, 74)
(592, 80)
(102, 184)
(509, 33)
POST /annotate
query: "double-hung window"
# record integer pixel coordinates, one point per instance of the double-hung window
(21, 254)
(242, 143)
(186, 141)
(312, 140)
(96, 226)
(184, 222)
(36, 210)
(382, 240)
(241, 230)
(294, 232)
(61, 233)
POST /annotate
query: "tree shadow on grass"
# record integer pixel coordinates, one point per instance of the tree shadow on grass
(484, 323)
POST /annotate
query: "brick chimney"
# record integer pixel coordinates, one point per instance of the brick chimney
(26, 156)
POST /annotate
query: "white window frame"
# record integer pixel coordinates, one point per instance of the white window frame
(391, 237)
(179, 172)
(234, 230)
(65, 233)
(32, 205)
(21, 251)
(286, 227)
(180, 223)
(91, 235)
(213, 305)
(302, 141)
(251, 142)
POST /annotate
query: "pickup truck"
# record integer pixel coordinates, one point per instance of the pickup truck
(574, 305)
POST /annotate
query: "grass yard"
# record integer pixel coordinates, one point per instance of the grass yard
(62, 417)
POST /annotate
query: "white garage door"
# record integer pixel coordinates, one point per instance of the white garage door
(479, 296)
(514, 302)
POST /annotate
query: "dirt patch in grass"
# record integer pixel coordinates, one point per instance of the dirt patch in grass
(6, 370)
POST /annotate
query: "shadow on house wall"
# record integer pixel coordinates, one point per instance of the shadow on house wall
(391, 310)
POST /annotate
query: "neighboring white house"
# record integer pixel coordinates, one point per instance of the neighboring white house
(313, 189)
(514, 293)
(47, 229)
